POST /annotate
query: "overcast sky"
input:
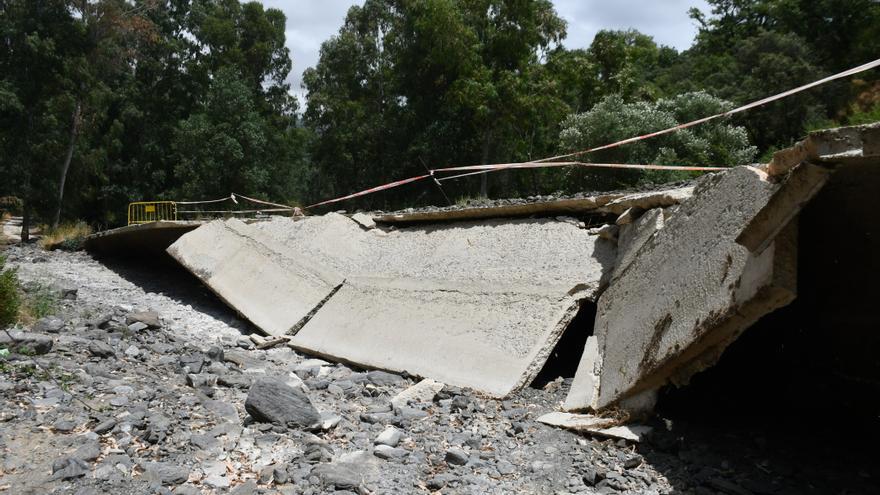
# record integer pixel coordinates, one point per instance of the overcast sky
(310, 22)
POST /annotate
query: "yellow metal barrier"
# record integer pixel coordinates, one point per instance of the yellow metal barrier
(151, 211)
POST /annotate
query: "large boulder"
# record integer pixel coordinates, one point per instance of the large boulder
(274, 401)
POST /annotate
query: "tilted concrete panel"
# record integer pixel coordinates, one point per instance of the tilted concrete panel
(491, 338)
(690, 289)
(255, 275)
(476, 304)
(541, 251)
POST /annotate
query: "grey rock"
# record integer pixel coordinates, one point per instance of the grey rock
(590, 476)
(104, 426)
(166, 473)
(64, 425)
(246, 488)
(138, 326)
(340, 475)
(440, 481)
(68, 293)
(272, 400)
(223, 410)
(49, 324)
(389, 453)
(234, 380)
(25, 342)
(384, 379)
(390, 437)
(215, 353)
(204, 442)
(505, 467)
(632, 462)
(132, 351)
(68, 467)
(88, 451)
(192, 361)
(279, 474)
(100, 321)
(457, 457)
(201, 380)
(101, 349)
(148, 318)
(187, 490)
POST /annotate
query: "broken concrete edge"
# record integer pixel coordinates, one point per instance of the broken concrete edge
(423, 391)
(638, 340)
(603, 427)
(545, 208)
(606, 204)
(211, 266)
(721, 330)
(498, 379)
(804, 181)
(151, 238)
(831, 146)
(584, 389)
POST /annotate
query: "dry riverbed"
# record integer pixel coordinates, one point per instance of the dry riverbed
(143, 382)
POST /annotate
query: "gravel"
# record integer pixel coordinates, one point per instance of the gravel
(183, 405)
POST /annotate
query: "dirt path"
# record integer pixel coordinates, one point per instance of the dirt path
(11, 231)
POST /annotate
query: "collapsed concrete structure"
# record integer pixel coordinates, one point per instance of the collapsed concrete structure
(676, 275)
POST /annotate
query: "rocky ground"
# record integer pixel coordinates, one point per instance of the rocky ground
(142, 382)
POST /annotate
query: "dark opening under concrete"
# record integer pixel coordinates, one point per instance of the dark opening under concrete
(566, 355)
(803, 383)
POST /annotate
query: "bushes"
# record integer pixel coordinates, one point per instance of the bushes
(68, 236)
(9, 205)
(10, 301)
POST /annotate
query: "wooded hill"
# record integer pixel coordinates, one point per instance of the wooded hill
(103, 102)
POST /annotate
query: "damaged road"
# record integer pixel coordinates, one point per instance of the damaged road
(481, 303)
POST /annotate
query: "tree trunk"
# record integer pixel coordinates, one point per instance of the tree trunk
(484, 177)
(25, 221)
(65, 167)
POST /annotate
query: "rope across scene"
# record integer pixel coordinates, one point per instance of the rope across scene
(552, 161)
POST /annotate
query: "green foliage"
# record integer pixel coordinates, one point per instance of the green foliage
(124, 100)
(67, 236)
(614, 119)
(10, 301)
(39, 301)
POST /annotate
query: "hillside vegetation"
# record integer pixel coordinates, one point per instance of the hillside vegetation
(103, 102)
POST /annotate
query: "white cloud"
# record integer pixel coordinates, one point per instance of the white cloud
(309, 23)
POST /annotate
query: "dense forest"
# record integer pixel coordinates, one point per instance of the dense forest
(103, 102)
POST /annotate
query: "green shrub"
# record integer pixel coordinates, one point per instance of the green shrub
(10, 301)
(67, 236)
(40, 301)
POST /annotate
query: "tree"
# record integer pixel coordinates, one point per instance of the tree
(613, 119)
(407, 83)
(228, 146)
(38, 39)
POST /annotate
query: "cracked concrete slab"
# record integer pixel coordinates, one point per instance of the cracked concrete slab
(690, 289)
(491, 338)
(475, 304)
(256, 276)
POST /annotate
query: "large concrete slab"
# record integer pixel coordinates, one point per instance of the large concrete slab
(492, 338)
(475, 304)
(256, 276)
(544, 251)
(690, 289)
(147, 239)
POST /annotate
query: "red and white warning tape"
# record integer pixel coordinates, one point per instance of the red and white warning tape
(370, 191)
(551, 161)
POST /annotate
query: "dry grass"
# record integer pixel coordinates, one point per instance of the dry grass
(67, 236)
